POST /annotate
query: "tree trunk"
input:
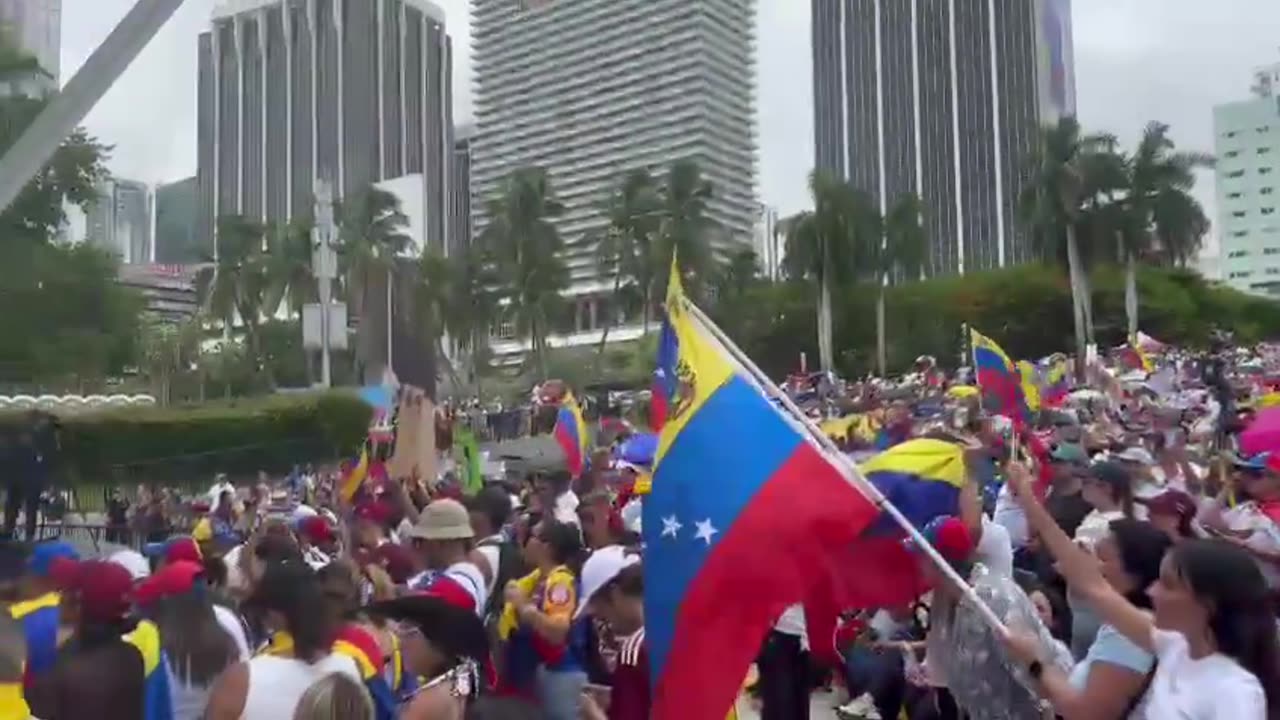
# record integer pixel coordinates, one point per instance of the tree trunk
(609, 322)
(1078, 294)
(882, 350)
(826, 353)
(1131, 294)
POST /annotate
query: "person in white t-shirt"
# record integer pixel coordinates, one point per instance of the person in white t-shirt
(1213, 632)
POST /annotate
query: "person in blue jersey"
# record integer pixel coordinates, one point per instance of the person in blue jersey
(49, 567)
(98, 673)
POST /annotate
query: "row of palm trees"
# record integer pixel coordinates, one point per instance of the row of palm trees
(1089, 202)
(516, 270)
(1086, 202)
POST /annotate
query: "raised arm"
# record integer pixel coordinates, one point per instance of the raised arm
(1078, 567)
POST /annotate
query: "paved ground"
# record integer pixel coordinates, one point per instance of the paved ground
(819, 709)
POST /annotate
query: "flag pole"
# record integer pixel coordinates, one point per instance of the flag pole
(852, 474)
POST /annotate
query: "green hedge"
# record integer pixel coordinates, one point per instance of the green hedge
(187, 446)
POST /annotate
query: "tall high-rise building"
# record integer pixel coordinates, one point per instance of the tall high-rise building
(461, 187)
(1247, 179)
(175, 235)
(351, 91)
(767, 242)
(591, 89)
(942, 99)
(34, 27)
(120, 220)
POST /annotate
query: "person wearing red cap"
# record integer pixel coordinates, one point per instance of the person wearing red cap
(199, 639)
(97, 668)
(318, 542)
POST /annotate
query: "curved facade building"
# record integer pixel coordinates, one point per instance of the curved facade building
(351, 91)
(591, 89)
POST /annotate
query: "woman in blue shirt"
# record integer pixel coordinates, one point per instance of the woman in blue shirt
(1113, 676)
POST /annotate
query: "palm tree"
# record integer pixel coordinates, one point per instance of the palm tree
(289, 268)
(1065, 171)
(900, 257)
(825, 244)
(1162, 217)
(686, 230)
(234, 286)
(626, 248)
(736, 277)
(472, 292)
(371, 236)
(526, 248)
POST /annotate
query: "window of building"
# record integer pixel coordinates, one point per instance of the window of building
(1237, 173)
(1264, 150)
(1231, 134)
(1238, 214)
(1240, 233)
(1262, 171)
(1233, 153)
(1271, 251)
(1266, 191)
(1273, 271)
(1235, 196)
(1237, 254)
(1268, 211)
(1240, 275)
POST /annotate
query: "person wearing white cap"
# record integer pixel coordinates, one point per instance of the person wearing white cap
(613, 592)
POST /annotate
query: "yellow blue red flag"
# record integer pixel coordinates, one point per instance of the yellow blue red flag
(744, 505)
(571, 434)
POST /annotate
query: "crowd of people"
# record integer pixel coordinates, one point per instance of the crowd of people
(1125, 542)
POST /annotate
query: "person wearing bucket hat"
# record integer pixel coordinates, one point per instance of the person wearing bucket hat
(444, 642)
(442, 541)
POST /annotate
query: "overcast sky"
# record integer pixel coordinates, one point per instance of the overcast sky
(1136, 60)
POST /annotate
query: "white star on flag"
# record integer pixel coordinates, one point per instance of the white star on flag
(670, 526)
(705, 530)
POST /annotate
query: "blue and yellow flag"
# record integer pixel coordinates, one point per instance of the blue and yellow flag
(1031, 381)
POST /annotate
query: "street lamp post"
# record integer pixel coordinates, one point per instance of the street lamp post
(324, 265)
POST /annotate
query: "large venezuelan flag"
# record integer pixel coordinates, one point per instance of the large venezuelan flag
(744, 509)
(571, 434)
(998, 377)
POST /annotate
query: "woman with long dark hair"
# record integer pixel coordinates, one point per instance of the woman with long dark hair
(1112, 678)
(198, 645)
(291, 604)
(1211, 630)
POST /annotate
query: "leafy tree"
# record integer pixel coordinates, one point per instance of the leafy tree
(234, 288)
(826, 244)
(527, 252)
(626, 249)
(1160, 217)
(686, 230)
(1067, 170)
(166, 352)
(372, 234)
(290, 279)
(900, 257)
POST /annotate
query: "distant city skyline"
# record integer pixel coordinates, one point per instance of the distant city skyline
(1136, 61)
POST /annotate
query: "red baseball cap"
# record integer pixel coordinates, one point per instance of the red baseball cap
(315, 530)
(175, 578)
(105, 591)
(949, 537)
(450, 591)
(182, 548)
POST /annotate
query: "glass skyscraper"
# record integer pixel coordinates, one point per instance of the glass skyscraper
(943, 99)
